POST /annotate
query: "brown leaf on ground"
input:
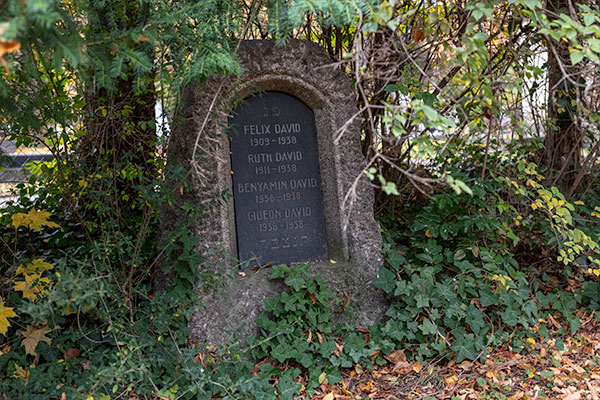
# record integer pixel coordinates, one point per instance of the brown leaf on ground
(72, 353)
(33, 335)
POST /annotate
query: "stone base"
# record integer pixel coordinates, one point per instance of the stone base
(228, 312)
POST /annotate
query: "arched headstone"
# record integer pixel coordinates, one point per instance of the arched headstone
(279, 173)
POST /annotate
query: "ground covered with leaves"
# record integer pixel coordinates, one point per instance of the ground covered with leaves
(553, 367)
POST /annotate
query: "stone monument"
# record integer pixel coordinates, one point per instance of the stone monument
(279, 175)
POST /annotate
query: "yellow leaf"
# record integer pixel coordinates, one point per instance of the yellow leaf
(33, 336)
(579, 203)
(33, 220)
(531, 341)
(368, 388)
(428, 233)
(33, 286)
(332, 261)
(323, 379)
(36, 266)
(21, 373)
(451, 380)
(529, 370)
(5, 314)
(492, 374)
(19, 219)
(330, 396)
(417, 367)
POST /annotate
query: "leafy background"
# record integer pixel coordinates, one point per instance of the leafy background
(479, 126)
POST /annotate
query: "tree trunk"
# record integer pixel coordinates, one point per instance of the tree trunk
(563, 140)
(120, 135)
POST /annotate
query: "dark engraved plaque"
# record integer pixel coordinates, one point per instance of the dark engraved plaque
(276, 181)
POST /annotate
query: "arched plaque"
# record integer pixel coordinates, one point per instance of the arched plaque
(276, 181)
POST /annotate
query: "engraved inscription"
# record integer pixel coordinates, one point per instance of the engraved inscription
(276, 181)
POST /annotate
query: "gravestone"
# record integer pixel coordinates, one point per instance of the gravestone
(279, 175)
(276, 181)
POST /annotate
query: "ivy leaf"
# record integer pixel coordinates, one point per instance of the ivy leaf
(286, 387)
(475, 319)
(385, 280)
(279, 271)
(509, 316)
(464, 346)
(5, 314)
(487, 298)
(294, 281)
(33, 336)
(428, 327)
(422, 300)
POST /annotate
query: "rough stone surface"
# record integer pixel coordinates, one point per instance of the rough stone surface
(303, 70)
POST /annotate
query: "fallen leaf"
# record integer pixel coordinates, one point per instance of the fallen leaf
(86, 365)
(21, 373)
(451, 380)
(72, 353)
(417, 367)
(5, 314)
(330, 396)
(323, 379)
(572, 396)
(345, 302)
(418, 35)
(37, 266)
(33, 336)
(396, 356)
(517, 396)
(553, 321)
(319, 337)
(368, 388)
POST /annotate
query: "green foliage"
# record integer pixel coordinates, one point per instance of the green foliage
(460, 279)
(297, 327)
(92, 324)
(460, 287)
